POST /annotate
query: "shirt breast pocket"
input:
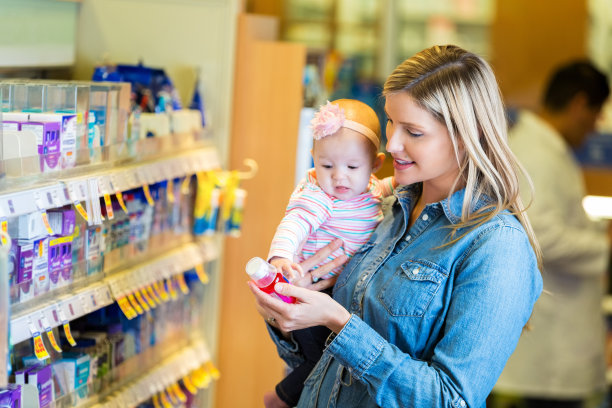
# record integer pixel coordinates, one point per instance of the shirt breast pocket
(410, 291)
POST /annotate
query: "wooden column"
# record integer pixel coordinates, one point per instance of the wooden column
(267, 104)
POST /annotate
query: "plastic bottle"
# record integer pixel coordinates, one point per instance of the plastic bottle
(265, 277)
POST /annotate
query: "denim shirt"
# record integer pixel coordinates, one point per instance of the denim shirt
(431, 325)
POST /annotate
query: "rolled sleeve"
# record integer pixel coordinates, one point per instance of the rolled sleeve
(288, 349)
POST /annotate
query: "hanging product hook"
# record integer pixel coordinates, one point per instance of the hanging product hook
(253, 169)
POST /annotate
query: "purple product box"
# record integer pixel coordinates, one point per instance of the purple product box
(42, 378)
(48, 139)
(40, 266)
(11, 125)
(66, 262)
(55, 262)
(62, 221)
(13, 271)
(21, 376)
(10, 396)
(24, 271)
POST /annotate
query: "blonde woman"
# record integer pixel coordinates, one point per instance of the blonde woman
(428, 311)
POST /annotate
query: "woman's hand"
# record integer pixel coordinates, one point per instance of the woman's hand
(311, 277)
(312, 308)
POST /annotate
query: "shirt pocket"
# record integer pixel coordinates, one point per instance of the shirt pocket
(353, 264)
(412, 288)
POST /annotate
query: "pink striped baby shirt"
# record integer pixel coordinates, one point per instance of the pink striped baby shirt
(313, 219)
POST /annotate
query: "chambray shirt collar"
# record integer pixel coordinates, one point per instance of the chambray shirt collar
(451, 206)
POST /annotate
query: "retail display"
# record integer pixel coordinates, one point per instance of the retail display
(110, 223)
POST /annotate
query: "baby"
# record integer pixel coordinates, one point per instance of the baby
(339, 198)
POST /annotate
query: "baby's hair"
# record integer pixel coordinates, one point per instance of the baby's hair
(351, 114)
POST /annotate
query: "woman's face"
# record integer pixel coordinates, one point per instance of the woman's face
(421, 147)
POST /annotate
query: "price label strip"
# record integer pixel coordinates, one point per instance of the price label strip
(180, 279)
(189, 385)
(153, 295)
(148, 298)
(202, 275)
(171, 289)
(108, 204)
(212, 370)
(134, 304)
(141, 300)
(147, 194)
(185, 185)
(164, 400)
(126, 307)
(66, 325)
(170, 190)
(179, 392)
(45, 220)
(161, 291)
(40, 351)
(50, 334)
(4, 227)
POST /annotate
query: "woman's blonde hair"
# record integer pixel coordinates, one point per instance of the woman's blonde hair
(460, 90)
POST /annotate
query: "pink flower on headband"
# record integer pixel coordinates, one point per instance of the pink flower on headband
(327, 121)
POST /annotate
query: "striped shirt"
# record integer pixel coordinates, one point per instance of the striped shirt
(313, 219)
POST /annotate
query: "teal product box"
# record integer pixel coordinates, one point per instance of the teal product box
(71, 374)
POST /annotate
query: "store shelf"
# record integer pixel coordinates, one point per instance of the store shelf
(100, 294)
(102, 182)
(164, 375)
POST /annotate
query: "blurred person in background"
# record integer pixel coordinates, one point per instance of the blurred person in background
(560, 362)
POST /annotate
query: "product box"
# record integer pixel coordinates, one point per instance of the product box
(10, 396)
(40, 266)
(93, 250)
(40, 376)
(62, 221)
(11, 125)
(25, 258)
(27, 226)
(66, 262)
(68, 135)
(21, 376)
(48, 141)
(71, 373)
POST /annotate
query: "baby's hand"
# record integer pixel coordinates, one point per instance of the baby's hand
(289, 269)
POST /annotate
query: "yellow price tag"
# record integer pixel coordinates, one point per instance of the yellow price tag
(148, 298)
(161, 290)
(153, 295)
(119, 196)
(4, 227)
(170, 191)
(185, 185)
(148, 196)
(156, 402)
(164, 400)
(40, 351)
(126, 308)
(134, 304)
(212, 370)
(178, 392)
(142, 302)
(68, 334)
(110, 214)
(171, 289)
(180, 278)
(81, 210)
(202, 275)
(52, 340)
(189, 385)
(45, 219)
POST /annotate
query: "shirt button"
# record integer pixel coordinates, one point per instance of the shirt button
(408, 238)
(462, 403)
(364, 278)
(415, 271)
(425, 217)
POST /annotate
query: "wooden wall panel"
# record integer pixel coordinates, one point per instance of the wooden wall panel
(267, 104)
(529, 38)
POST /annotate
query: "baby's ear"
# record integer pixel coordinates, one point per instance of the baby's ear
(378, 162)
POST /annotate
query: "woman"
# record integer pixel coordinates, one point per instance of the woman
(428, 311)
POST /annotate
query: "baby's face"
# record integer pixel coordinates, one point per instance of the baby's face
(343, 163)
